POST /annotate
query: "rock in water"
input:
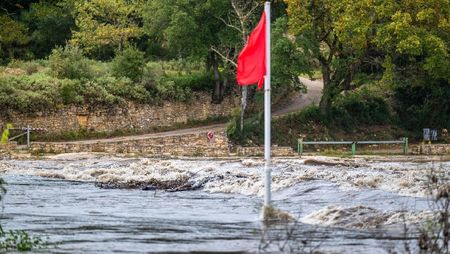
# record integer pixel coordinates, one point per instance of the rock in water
(148, 188)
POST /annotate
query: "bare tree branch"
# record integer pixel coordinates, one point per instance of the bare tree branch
(225, 58)
(229, 24)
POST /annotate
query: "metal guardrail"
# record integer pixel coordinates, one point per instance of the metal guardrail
(301, 143)
(26, 131)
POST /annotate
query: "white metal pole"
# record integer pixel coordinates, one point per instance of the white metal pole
(267, 113)
(28, 136)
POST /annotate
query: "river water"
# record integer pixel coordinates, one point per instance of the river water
(346, 206)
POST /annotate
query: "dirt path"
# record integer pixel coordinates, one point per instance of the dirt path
(311, 97)
(314, 92)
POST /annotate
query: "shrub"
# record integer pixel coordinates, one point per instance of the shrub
(423, 106)
(124, 88)
(253, 130)
(196, 81)
(70, 92)
(27, 94)
(29, 67)
(129, 63)
(69, 62)
(95, 93)
(5, 136)
(359, 107)
(167, 89)
(18, 240)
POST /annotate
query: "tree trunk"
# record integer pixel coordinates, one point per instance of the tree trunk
(349, 77)
(224, 86)
(243, 106)
(326, 91)
(217, 83)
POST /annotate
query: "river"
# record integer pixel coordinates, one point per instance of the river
(345, 206)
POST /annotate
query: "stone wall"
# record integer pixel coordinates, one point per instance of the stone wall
(190, 144)
(132, 117)
(431, 149)
(165, 144)
(259, 151)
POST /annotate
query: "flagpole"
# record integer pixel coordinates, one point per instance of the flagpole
(267, 113)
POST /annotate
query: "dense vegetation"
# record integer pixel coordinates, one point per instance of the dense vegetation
(381, 61)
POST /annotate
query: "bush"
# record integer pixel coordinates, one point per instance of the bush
(358, 108)
(122, 88)
(252, 132)
(18, 240)
(70, 92)
(29, 67)
(167, 89)
(129, 63)
(423, 106)
(5, 137)
(196, 81)
(29, 93)
(95, 93)
(309, 121)
(39, 92)
(69, 62)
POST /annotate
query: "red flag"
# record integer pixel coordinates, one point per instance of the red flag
(252, 59)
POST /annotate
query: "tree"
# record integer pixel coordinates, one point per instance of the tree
(105, 25)
(337, 33)
(13, 38)
(49, 25)
(129, 63)
(187, 30)
(415, 37)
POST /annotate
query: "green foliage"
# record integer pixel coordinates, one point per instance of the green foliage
(351, 112)
(49, 25)
(408, 40)
(70, 92)
(36, 92)
(423, 106)
(18, 240)
(166, 89)
(129, 63)
(69, 62)
(108, 91)
(360, 107)
(181, 27)
(29, 67)
(285, 130)
(5, 136)
(13, 38)
(39, 92)
(287, 60)
(195, 81)
(308, 114)
(309, 121)
(252, 133)
(105, 25)
(175, 80)
(415, 38)
(415, 34)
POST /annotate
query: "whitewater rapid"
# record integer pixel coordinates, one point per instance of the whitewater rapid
(245, 177)
(239, 176)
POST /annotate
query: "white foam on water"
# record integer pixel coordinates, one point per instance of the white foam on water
(363, 217)
(240, 176)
